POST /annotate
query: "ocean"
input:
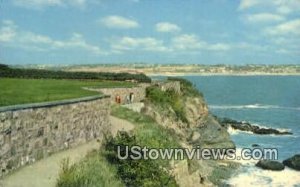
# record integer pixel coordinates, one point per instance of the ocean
(269, 101)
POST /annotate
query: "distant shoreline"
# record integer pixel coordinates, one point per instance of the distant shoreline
(221, 74)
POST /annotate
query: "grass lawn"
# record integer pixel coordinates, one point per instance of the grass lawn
(20, 91)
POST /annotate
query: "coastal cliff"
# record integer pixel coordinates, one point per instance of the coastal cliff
(184, 111)
(172, 116)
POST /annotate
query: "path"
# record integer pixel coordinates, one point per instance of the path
(118, 124)
(45, 172)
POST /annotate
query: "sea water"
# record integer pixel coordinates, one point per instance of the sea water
(268, 101)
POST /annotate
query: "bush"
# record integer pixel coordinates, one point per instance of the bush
(167, 98)
(157, 96)
(147, 131)
(186, 87)
(170, 98)
(91, 171)
(3, 67)
(104, 168)
(137, 173)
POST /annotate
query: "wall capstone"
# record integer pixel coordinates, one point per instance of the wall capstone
(138, 91)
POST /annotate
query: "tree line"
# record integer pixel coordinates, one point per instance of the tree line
(6, 71)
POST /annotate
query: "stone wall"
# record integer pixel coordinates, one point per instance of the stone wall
(168, 85)
(171, 85)
(32, 132)
(138, 91)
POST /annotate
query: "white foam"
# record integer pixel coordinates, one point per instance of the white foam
(250, 175)
(238, 153)
(252, 106)
(267, 127)
(232, 131)
(259, 177)
(284, 130)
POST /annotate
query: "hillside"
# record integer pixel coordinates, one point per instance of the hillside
(174, 115)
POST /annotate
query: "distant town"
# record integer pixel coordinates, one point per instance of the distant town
(179, 69)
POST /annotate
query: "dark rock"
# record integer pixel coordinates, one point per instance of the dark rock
(245, 126)
(255, 145)
(212, 135)
(293, 162)
(269, 131)
(270, 165)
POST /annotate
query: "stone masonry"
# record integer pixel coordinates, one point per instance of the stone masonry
(32, 132)
(138, 91)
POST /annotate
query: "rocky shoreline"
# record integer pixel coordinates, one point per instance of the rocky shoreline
(245, 126)
(293, 162)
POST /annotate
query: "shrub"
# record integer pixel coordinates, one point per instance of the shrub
(93, 170)
(167, 98)
(186, 87)
(157, 96)
(147, 131)
(103, 167)
(137, 173)
(3, 67)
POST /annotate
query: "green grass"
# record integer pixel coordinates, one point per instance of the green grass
(21, 91)
(167, 99)
(92, 171)
(187, 87)
(136, 173)
(147, 131)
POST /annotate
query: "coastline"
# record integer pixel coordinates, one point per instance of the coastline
(221, 74)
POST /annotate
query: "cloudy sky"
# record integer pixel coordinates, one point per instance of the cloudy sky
(153, 31)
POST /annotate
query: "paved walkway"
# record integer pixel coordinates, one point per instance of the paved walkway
(45, 172)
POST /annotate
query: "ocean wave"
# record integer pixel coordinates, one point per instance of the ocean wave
(233, 131)
(252, 176)
(258, 177)
(267, 127)
(252, 106)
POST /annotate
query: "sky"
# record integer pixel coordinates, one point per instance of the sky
(150, 31)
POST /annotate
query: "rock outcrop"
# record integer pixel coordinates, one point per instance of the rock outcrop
(245, 126)
(270, 165)
(210, 135)
(201, 128)
(293, 162)
(198, 128)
